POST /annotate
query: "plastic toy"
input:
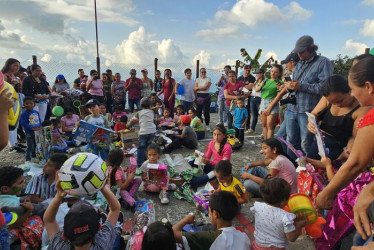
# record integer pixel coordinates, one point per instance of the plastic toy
(58, 111)
(202, 200)
(242, 170)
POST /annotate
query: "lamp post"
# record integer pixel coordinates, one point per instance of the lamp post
(97, 43)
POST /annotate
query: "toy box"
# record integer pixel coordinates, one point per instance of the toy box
(129, 138)
(157, 173)
(202, 200)
(93, 134)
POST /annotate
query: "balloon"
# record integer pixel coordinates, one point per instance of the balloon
(371, 51)
(58, 111)
(180, 90)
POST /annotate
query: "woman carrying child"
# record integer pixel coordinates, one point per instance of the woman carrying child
(124, 179)
(278, 163)
(156, 180)
(219, 149)
(274, 227)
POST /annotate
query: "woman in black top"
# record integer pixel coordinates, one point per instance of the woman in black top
(337, 115)
(36, 87)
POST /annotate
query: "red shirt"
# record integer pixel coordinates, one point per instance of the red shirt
(119, 126)
(231, 88)
(367, 119)
(134, 90)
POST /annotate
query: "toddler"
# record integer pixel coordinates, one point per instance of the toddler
(240, 116)
(107, 115)
(121, 124)
(118, 113)
(227, 182)
(68, 122)
(176, 119)
(166, 118)
(274, 227)
(30, 121)
(124, 179)
(156, 180)
(95, 117)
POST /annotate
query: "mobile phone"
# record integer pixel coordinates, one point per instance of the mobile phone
(287, 79)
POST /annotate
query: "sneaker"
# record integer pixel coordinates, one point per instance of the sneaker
(249, 131)
(19, 149)
(208, 129)
(225, 124)
(21, 145)
(172, 187)
(164, 197)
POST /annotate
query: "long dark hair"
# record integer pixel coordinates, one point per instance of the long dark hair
(221, 128)
(275, 143)
(335, 84)
(114, 159)
(159, 236)
(7, 64)
(362, 72)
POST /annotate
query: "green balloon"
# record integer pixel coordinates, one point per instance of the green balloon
(371, 51)
(58, 111)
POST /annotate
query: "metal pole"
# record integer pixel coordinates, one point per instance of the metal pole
(156, 60)
(97, 43)
(197, 68)
(34, 60)
(237, 65)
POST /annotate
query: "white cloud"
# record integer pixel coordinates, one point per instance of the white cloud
(204, 58)
(46, 58)
(249, 13)
(141, 48)
(225, 32)
(356, 48)
(368, 2)
(271, 53)
(368, 29)
(13, 39)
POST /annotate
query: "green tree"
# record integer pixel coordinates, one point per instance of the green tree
(342, 64)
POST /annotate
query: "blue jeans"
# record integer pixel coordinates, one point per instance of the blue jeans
(255, 107)
(200, 135)
(31, 145)
(186, 106)
(132, 103)
(297, 132)
(144, 142)
(221, 110)
(252, 186)
(282, 133)
(230, 118)
(333, 144)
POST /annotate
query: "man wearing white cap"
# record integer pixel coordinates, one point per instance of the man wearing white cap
(309, 75)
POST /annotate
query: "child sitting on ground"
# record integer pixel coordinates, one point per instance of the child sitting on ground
(227, 182)
(107, 115)
(156, 180)
(240, 117)
(11, 184)
(118, 113)
(158, 108)
(159, 235)
(274, 227)
(95, 117)
(122, 178)
(30, 121)
(82, 228)
(196, 124)
(223, 207)
(187, 138)
(166, 119)
(121, 124)
(147, 130)
(68, 122)
(219, 149)
(180, 111)
(42, 186)
(58, 141)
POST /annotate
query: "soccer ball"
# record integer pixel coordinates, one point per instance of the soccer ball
(83, 174)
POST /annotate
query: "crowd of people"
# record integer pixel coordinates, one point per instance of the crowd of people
(303, 82)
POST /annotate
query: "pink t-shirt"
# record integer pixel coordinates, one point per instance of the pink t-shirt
(231, 89)
(225, 154)
(287, 171)
(70, 122)
(96, 87)
(117, 116)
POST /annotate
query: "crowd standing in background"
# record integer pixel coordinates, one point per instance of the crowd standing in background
(303, 82)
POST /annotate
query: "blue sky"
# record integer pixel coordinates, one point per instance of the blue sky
(135, 32)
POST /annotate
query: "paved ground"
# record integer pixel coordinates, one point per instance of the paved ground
(177, 209)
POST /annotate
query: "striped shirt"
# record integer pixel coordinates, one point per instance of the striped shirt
(39, 185)
(312, 76)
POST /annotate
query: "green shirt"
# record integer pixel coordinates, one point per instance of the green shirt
(270, 90)
(201, 240)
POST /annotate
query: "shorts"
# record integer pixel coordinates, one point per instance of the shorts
(265, 103)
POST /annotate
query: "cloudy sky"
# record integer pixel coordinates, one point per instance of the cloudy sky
(135, 32)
